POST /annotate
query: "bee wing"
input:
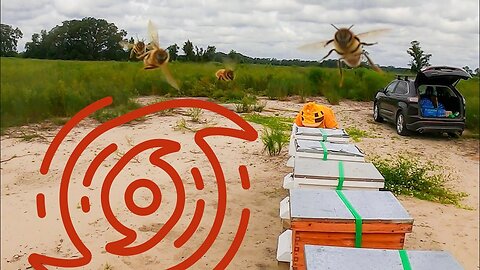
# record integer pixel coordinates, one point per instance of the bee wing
(313, 46)
(169, 76)
(153, 32)
(373, 33)
(126, 45)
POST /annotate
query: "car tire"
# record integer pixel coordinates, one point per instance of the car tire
(401, 124)
(376, 113)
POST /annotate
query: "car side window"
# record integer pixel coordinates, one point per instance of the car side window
(402, 88)
(389, 89)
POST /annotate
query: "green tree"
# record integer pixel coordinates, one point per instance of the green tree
(209, 54)
(9, 39)
(199, 54)
(420, 58)
(173, 51)
(188, 50)
(86, 39)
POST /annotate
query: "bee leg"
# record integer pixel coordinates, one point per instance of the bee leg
(370, 62)
(368, 44)
(364, 43)
(341, 71)
(143, 55)
(328, 42)
(329, 54)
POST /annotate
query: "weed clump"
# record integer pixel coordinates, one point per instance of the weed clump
(407, 176)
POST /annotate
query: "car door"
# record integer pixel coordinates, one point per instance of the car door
(385, 105)
(399, 96)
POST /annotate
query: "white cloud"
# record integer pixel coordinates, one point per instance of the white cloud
(447, 29)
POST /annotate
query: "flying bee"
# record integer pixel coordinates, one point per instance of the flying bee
(138, 48)
(227, 73)
(156, 57)
(348, 46)
(224, 74)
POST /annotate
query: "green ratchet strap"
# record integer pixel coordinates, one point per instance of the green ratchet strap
(358, 219)
(405, 261)
(324, 134)
(341, 176)
(325, 151)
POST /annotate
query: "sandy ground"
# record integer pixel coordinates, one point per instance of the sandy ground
(436, 227)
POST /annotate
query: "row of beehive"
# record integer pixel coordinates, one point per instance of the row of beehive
(335, 200)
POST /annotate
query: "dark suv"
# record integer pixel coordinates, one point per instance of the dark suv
(429, 103)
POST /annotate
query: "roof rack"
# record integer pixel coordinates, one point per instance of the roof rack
(404, 77)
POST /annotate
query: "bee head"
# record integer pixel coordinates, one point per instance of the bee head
(161, 56)
(343, 36)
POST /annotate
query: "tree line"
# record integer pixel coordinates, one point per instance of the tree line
(97, 39)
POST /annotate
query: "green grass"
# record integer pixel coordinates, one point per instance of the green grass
(405, 175)
(34, 90)
(274, 139)
(272, 122)
(470, 91)
(356, 134)
(276, 130)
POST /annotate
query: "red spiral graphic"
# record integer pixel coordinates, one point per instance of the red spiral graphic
(162, 147)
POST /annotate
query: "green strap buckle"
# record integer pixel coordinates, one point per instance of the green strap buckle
(358, 218)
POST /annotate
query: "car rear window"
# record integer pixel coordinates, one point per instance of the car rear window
(401, 88)
(439, 90)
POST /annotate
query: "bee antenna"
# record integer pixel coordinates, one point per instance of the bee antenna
(350, 26)
(334, 26)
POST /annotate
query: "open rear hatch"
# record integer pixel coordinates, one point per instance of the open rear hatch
(443, 79)
(441, 75)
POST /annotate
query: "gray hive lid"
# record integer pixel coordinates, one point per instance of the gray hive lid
(328, 169)
(346, 149)
(372, 206)
(344, 258)
(319, 132)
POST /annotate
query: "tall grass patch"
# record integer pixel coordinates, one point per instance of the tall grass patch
(34, 90)
(275, 133)
(470, 91)
(406, 175)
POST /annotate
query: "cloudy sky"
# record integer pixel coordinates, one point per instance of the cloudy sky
(448, 29)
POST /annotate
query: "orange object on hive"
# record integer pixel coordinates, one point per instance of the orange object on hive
(315, 115)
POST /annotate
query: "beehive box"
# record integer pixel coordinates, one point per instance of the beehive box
(325, 151)
(323, 134)
(320, 217)
(310, 173)
(342, 258)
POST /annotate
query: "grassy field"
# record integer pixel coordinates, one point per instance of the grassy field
(34, 90)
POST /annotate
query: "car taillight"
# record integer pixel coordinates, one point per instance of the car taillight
(413, 99)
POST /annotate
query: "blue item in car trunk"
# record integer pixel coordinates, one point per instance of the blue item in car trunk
(428, 110)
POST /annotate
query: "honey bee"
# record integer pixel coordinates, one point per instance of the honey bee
(138, 48)
(156, 57)
(348, 46)
(227, 73)
(224, 74)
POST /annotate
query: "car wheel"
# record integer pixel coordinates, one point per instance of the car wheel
(401, 124)
(376, 114)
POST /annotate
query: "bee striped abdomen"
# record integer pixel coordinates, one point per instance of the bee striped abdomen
(224, 75)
